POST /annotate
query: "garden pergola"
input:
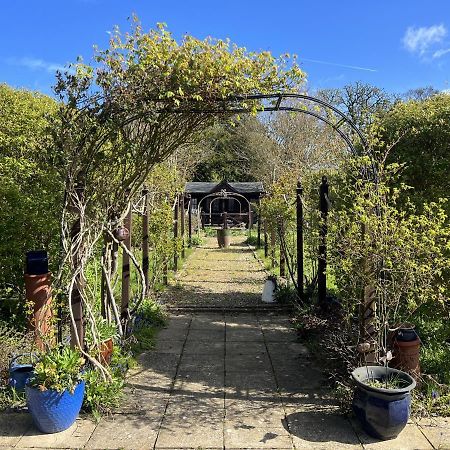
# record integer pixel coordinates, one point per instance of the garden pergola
(275, 102)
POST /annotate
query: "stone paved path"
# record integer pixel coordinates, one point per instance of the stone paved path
(223, 381)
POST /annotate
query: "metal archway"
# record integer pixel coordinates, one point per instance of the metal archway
(223, 195)
(315, 107)
(229, 198)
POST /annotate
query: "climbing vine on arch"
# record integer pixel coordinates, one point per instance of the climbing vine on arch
(130, 110)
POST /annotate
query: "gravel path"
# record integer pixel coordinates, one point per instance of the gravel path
(215, 277)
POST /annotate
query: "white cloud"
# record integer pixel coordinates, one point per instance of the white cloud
(419, 40)
(441, 52)
(37, 64)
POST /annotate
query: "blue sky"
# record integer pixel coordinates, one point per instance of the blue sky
(394, 44)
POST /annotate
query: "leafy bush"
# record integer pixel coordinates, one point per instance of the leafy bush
(149, 317)
(31, 188)
(58, 369)
(100, 395)
(196, 241)
(253, 240)
(286, 294)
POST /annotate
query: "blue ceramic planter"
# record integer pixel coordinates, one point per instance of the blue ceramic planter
(383, 413)
(53, 411)
(19, 374)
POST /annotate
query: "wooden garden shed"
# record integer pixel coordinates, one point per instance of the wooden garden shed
(210, 200)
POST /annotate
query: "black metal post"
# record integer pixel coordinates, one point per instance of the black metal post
(175, 234)
(322, 263)
(300, 268)
(126, 267)
(183, 226)
(145, 241)
(258, 242)
(282, 255)
(273, 242)
(190, 220)
(266, 240)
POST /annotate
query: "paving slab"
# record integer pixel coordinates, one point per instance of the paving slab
(74, 437)
(253, 384)
(245, 348)
(12, 427)
(437, 431)
(290, 349)
(208, 322)
(206, 335)
(172, 334)
(125, 432)
(170, 346)
(247, 362)
(179, 434)
(306, 379)
(160, 363)
(204, 347)
(318, 430)
(239, 436)
(411, 438)
(264, 412)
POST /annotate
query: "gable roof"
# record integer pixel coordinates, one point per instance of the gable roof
(201, 187)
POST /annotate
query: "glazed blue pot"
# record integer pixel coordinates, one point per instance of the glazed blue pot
(53, 411)
(19, 374)
(383, 413)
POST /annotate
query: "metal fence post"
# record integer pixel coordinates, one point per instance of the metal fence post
(266, 240)
(126, 267)
(175, 233)
(190, 220)
(300, 267)
(145, 241)
(183, 226)
(258, 241)
(322, 262)
(282, 255)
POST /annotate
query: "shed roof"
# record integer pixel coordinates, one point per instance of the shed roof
(201, 187)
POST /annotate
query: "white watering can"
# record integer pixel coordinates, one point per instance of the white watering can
(268, 294)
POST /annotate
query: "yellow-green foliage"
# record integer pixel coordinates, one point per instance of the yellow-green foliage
(31, 191)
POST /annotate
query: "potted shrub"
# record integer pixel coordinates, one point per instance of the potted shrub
(55, 392)
(388, 260)
(223, 237)
(103, 344)
(382, 400)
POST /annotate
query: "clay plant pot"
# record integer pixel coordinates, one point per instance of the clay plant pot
(106, 351)
(406, 351)
(383, 413)
(38, 293)
(223, 238)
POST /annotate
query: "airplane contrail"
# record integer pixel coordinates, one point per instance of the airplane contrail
(367, 69)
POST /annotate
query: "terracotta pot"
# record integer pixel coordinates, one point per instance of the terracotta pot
(223, 238)
(106, 350)
(407, 356)
(38, 293)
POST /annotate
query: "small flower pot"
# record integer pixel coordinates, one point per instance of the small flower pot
(406, 348)
(223, 238)
(383, 413)
(53, 411)
(106, 351)
(19, 374)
